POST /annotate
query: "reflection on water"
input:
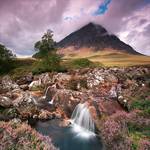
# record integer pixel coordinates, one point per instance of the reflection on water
(66, 138)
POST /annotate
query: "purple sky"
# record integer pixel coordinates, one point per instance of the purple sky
(23, 22)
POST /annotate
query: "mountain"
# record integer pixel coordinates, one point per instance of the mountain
(96, 37)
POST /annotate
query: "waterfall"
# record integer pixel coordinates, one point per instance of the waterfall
(82, 119)
(46, 92)
(51, 102)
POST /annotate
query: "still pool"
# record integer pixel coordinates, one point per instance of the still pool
(66, 138)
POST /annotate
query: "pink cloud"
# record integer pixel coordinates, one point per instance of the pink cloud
(24, 22)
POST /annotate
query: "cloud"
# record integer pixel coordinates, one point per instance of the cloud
(24, 22)
(136, 31)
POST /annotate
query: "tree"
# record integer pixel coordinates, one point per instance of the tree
(49, 59)
(5, 53)
(46, 45)
(6, 57)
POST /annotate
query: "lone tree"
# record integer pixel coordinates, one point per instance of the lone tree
(6, 57)
(46, 45)
(49, 59)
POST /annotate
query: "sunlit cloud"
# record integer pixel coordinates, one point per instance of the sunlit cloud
(24, 22)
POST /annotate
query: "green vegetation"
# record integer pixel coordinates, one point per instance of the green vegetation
(79, 63)
(49, 64)
(46, 46)
(49, 60)
(82, 63)
(22, 67)
(143, 105)
(137, 133)
(6, 59)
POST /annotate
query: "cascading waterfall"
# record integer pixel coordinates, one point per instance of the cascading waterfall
(51, 102)
(44, 97)
(82, 120)
(46, 92)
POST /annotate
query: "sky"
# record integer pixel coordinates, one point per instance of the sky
(23, 22)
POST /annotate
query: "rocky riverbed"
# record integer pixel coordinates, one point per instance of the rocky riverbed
(110, 93)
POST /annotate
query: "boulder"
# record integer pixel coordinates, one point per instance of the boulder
(5, 101)
(44, 115)
(8, 84)
(25, 79)
(24, 87)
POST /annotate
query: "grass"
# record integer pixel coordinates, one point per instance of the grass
(138, 133)
(22, 67)
(81, 60)
(112, 58)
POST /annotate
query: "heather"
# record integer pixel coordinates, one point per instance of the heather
(126, 130)
(17, 135)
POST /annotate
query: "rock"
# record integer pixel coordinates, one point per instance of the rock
(8, 84)
(24, 87)
(24, 98)
(25, 79)
(35, 84)
(113, 92)
(67, 99)
(16, 120)
(44, 115)
(45, 79)
(5, 101)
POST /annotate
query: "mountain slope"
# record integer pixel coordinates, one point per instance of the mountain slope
(96, 37)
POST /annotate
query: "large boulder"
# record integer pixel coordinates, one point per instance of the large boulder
(66, 99)
(7, 84)
(40, 81)
(5, 102)
(25, 79)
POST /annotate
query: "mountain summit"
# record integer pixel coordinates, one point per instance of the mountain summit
(96, 37)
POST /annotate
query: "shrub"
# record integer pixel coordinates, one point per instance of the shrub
(49, 64)
(6, 59)
(82, 63)
(141, 104)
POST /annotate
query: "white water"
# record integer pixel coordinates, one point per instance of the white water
(82, 120)
(46, 92)
(51, 102)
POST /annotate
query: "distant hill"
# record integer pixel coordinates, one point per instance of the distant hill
(94, 37)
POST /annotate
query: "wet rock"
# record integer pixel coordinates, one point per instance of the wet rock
(44, 115)
(40, 81)
(67, 99)
(35, 84)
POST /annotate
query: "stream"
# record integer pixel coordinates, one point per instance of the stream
(68, 138)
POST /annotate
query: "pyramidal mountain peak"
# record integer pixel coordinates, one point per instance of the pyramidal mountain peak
(96, 37)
